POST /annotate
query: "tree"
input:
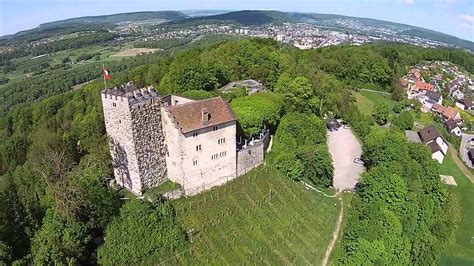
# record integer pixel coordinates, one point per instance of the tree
(257, 111)
(381, 113)
(141, 231)
(404, 121)
(383, 146)
(13, 227)
(59, 241)
(299, 151)
(198, 94)
(297, 93)
(317, 165)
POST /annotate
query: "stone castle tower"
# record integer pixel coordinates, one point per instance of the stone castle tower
(135, 134)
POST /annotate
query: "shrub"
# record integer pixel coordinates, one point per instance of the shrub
(142, 230)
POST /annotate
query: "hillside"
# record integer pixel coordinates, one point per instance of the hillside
(244, 17)
(261, 216)
(89, 23)
(116, 18)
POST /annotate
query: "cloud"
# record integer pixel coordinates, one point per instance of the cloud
(468, 19)
(409, 2)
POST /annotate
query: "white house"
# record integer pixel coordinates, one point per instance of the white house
(465, 104)
(431, 137)
(429, 98)
(453, 128)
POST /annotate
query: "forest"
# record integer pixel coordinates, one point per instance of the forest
(57, 207)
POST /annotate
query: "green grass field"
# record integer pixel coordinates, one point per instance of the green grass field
(378, 98)
(461, 252)
(365, 105)
(259, 218)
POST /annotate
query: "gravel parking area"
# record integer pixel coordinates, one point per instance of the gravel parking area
(344, 148)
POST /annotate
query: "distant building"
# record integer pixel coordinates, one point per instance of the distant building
(465, 104)
(447, 113)
(250, 85)
(430, 98)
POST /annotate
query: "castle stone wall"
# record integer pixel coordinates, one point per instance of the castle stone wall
(252, 156)
(136, 140)
(249, 158)
(118, 123)
(149, 142)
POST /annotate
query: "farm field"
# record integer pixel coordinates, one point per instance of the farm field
(259, 218)
(461, 251)
(134, 52)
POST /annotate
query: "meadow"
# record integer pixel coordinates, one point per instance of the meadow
(461, 250)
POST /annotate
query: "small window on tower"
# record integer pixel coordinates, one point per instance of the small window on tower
(198, 147)
(195, 134)
(214, 128)
(114, 104)
(195, 162)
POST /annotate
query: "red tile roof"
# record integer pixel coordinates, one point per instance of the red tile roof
(450, 113)
(424, 86)
(416, 72)
(188, 116)
(403, 82)
(438, 108)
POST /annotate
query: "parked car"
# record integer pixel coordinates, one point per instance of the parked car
(358, 161)
(333, 125)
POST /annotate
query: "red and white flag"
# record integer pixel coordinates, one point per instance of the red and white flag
(106, 73)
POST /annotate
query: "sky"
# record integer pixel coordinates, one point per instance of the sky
(454, 17)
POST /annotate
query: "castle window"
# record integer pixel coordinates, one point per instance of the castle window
(120, 121)
(222, 154)
(195, 162)
(195, 134)
(221, 141)
(214, 128)
(214, 156)
(198, 147)
(114, 104)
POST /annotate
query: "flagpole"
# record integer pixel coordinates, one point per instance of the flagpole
(103, 74)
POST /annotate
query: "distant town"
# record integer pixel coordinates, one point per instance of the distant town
(301, 35)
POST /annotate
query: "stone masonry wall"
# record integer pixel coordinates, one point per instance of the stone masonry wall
(149, 143)
(118, 124)
(249, 158)
(252, 156)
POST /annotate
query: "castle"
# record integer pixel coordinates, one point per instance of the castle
(153, 138)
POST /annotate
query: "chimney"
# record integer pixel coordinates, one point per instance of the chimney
(205, 115)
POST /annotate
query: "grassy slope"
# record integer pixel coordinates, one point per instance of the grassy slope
(241, 223)
(378, 98)
(461, 252)
(365, 105)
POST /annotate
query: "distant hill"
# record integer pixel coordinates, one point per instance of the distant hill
(116, 18)
(65, 26)
(245, 17)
